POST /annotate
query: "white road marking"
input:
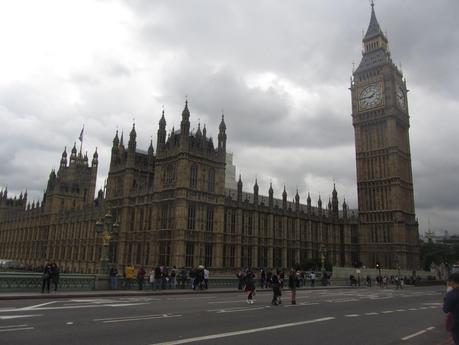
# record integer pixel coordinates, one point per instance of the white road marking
(372, 313)
(69, 323)
(76, 306)
(308, 303)
(248, 331)
(387, 311)
(418, 333)
(13, 328)
(37, 306)
(236, 310)
(401, 310)
(8, 317)
(221, 302)
(413, 309)
(352, 315)
(137, 318)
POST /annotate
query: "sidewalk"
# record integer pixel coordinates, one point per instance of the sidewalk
(136, 293)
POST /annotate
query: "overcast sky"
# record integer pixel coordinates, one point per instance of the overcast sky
(278, 69)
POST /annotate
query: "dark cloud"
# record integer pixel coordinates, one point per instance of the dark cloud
(280, 72)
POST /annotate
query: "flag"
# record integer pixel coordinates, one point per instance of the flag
(80, 138)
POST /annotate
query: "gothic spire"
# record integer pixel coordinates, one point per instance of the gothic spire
(373, 28)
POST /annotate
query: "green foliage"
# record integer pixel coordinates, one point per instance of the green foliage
(438, 253)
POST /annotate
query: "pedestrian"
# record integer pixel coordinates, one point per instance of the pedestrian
(249, 285)
(46, 277)
(451, 307)
(313, 279)
(206, 278)
(151, 278)
(55, 275)
(240, 277)
(275, 284)
(183, 278)
(140, 277)
(292, 284)
(129, 275)
(262, 278)
(157, 277)
(173, 281)
(368, 281)
(113, 277)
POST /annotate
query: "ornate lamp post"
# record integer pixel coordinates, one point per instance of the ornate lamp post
(108, 229)
(323, 253)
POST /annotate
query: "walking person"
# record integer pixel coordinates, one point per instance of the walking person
(368, 281)
(275, 284)
(250, 285)
(183, 278)
(313, 279)
(206, 278)
(451, 306)
(140, 277)
(46, 277)
(173, 275)
(55, 275)
(292, 284)
(129, 275)
(151, 278)
(113, 277)
(262, 278)
(157, 277)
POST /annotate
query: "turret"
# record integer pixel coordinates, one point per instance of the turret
(132, 140)
(284, 199)
(329, 207)
(95, 159)
(185, 126)
(85, 159)
(335, 210)
(64, 158)
(255, 193)
(161, 136)
(270, 195)
(308, 203)
(151, 153)
(222, 135)
(73, 155)
(344, 209)
(319, 205)
(239, 189)
(297, 201)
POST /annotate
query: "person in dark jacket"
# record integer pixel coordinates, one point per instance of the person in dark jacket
(140, 277)
(55, 275)
(46, 278)
(292, 284)
(249, 285)
(275, 284)
(451, 304)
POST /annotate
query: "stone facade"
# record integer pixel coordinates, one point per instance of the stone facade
(173, 207)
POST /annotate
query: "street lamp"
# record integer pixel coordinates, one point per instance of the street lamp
(108, 229)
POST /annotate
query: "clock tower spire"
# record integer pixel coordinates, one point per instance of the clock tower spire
(388, 231)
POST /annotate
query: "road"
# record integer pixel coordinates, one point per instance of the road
(346, 316)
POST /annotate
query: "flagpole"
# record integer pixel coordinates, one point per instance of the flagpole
(81, 141)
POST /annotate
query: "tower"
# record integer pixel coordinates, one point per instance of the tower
(388, 228)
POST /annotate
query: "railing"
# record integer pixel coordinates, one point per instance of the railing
(22, 282)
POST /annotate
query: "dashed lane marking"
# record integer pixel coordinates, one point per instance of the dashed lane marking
(352, 315)
(15, 328)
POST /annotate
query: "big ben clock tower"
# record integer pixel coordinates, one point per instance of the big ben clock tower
(388, 231)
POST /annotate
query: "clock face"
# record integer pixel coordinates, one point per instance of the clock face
(370, 97)
(400, 95)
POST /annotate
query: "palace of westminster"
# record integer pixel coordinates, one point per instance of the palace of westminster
(173, 208)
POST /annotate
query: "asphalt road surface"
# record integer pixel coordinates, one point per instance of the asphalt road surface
(321, 317)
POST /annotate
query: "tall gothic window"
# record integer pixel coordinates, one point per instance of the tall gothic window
(169, 176)
(194, 177)
(210, 219)
(191, 217)
(164, 253)
(211, 181)
(189, 253)
(208, 255)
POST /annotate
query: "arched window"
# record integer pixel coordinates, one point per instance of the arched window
(211, 181)
(194, 177)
